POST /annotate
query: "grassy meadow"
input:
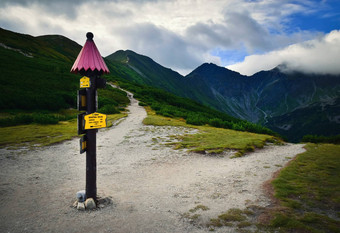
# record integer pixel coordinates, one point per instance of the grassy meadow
(309, 191)
(210, 139)
(32, 135)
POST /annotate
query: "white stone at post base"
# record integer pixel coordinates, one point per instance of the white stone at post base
(90, 204)
(81, 206)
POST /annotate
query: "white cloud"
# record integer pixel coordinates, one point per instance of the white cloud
(319, 56)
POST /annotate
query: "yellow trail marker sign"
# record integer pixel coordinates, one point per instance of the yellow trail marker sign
(95, 120)
(85, 82)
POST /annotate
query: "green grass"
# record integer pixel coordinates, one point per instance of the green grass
(210, 139)
(42, 135)
(310, 189)
(229, 218)
(199, 207)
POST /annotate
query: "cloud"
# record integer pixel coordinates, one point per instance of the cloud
(176, 33)
(318, 56)
(164, 46)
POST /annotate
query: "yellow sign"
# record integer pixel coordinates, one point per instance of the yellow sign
(85, 82)
(95, 120)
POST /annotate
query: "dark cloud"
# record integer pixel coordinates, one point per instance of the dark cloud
(162, 45)
(70, 2)
(67, 8)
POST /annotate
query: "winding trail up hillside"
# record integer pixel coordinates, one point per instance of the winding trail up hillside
(150, 186)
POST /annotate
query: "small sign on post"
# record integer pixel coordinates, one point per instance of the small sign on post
(85, 82)
(83, 142)
(81, 100)
(81, 124)
(95, 121)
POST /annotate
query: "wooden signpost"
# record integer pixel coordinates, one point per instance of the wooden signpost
(90, 65)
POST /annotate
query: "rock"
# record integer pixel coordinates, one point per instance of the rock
(81, 196)
(81, 206)
(90, 204)
(75, 204)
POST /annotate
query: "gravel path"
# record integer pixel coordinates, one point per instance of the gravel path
(150, 186)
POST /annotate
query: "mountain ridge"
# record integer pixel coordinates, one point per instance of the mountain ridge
(267, 97)
(272, 98)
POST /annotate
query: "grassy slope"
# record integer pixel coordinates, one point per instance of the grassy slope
(41, 135)
(309, 188)
(210, 139)
(153, 74)
(170, 105)
(35, 88)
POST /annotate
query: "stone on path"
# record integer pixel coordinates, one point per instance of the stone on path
(81, 206)
(90, 204)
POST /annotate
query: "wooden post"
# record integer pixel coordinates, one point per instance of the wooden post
(90, 64)
(91, 156)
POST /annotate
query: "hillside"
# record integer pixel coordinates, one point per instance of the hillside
(36, 83)
(294, 104)
(35, 75)
(150, 73)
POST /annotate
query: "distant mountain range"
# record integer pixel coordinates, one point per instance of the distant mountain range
(292, 104)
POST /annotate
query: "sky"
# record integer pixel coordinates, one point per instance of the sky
(246, 36)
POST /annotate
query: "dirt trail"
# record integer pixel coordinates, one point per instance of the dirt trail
(151, 186)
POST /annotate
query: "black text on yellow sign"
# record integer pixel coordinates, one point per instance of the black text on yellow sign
(85, 82)
(95, 121)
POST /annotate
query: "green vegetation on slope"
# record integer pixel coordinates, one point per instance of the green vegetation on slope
(211, 139)
(42, 135)
(149, 72)
(36, 83)
(321, 139)
(169, 105)
(309, 188)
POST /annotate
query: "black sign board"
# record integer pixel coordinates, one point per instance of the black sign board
(81, 100)
(81, 123)
(83, 144)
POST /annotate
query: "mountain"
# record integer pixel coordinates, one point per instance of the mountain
(293, 104)
(150, 72)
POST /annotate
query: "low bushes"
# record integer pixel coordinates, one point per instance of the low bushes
(169, 105)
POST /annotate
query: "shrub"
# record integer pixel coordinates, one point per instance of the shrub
(216, 122)
(44, 119)
(108, 109)
(196, 119)
(321, 139)
(142, 104)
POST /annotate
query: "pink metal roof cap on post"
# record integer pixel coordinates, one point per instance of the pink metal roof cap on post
(89, 58)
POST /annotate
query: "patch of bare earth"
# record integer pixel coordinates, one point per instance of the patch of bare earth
(144, 186)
